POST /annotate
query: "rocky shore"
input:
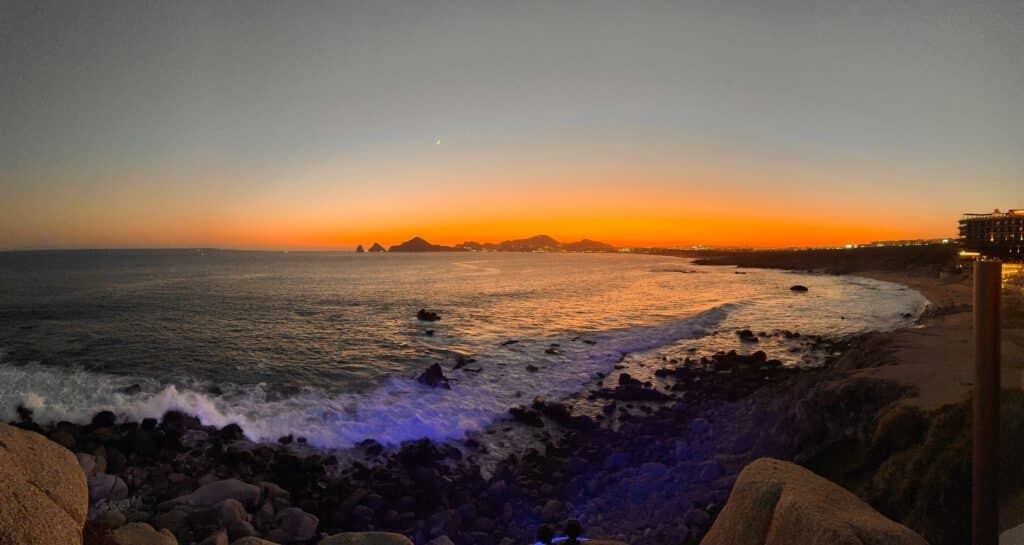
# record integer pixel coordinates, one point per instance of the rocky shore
(654, 464)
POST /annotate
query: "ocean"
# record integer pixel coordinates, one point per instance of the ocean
(327, 346)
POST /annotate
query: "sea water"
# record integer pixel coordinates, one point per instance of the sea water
(327, 346)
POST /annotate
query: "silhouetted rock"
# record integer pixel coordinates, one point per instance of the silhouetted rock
(434, 377)
(377, 248)
(587, 245)
(798, 288)
(360, 249)
(532, 244)
(427, 315)
(417, 244)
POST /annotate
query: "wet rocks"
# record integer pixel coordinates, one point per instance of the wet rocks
(526, 416)
(462, 360)
(215, 492)
(747, 336)
(434, 377)
(106, 487)
(366, 538)
(140, 533)
(294, 524)
(425, 315)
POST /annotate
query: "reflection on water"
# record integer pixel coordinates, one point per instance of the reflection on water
(328, 344)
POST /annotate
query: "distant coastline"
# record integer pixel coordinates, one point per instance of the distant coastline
(538, 243)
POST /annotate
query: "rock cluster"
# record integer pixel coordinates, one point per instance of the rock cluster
(652, 463)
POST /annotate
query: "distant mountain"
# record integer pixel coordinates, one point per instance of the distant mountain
(417, 244)
(539, 243)
(532, 244)
(471, 246)
(587, 245)
(377, 248)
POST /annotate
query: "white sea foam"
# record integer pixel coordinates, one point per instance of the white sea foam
(400, 409)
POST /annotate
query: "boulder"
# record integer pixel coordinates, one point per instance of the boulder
(252, 540)
(107, 487)
(779, 503)
(213, 493)
(111, 520)
(230, 511)
(140, 533)
(798, 288)
(366, 538)
(219, 537)
(241, 529)
(44, 498)
(87, 462)
(176, 522)
(294, 524)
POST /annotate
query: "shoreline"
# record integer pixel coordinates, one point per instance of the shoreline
(656, 464)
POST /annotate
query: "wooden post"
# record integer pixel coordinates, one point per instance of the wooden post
(985, 502)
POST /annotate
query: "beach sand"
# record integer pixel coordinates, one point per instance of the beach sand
(936, 358)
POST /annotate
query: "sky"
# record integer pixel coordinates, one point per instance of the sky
(307, 125)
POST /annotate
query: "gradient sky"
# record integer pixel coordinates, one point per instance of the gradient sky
(307, 125)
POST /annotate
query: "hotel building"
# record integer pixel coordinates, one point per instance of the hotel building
(999, 234)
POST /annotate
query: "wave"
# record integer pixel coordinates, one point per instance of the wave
(398, 410)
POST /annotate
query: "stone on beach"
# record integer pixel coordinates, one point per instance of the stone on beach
(44, 498)
(230, 511)
(294, 524)
(366, 538)
(217, 491)
(252, 540)
(140, 533)
(780, 503)
(107, 487)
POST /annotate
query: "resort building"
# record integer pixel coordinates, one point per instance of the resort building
(999, 234)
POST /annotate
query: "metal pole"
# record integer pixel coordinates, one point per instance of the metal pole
(985, 504)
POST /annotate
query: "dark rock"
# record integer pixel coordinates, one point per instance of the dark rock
(747, 335)
(427, 315)
(526, 416)
(545, 534)
(434, 377)
(462, 360)
(798, 288)
(104, 419)
(617, 460)
(286, 440)
(24, 413)
(532, 368)
(231, 432)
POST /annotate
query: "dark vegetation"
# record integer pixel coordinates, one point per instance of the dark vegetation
(916, 466)
(889, 258)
